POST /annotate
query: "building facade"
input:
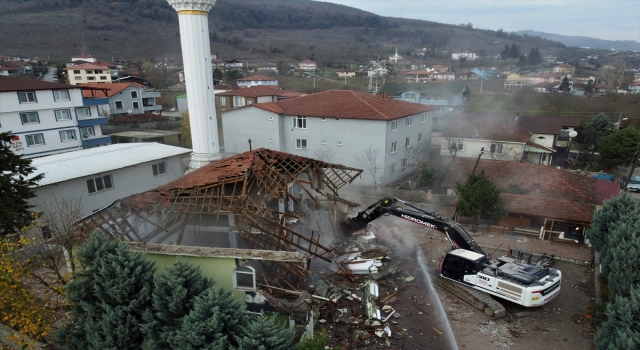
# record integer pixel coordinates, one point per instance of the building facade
(344, 127)
(47, 118)
(125, 98)
(88, 73)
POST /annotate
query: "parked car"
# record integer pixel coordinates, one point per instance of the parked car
(633, 185)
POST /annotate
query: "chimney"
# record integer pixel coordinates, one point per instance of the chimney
(384, 95)
(517, 115)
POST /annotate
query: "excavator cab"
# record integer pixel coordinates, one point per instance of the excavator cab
(461, 262)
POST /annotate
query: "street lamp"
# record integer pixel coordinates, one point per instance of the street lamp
(572, 134)
(620, 119)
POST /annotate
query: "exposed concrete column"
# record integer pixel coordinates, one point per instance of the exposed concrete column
(196, 56)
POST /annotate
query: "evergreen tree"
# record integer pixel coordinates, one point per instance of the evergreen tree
(565, 86)
(176, 289)
(216, 322)
(522, 62)
(534, 57)
(264, 334)
(588, 90)
(621, 330)
(619, 147)
(606, 218)
(506, 53)
(15, 188)
(479, 198)
(514, 51)
(622, 261)
(599, 127)
(110, 292)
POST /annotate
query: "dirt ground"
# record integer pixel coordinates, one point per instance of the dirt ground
(561, 324)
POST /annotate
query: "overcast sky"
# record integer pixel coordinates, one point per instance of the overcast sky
(603, 19)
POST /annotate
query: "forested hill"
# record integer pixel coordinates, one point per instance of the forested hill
(244, 29)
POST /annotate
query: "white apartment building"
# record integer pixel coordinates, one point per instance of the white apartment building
(47, 118)
(466, 55)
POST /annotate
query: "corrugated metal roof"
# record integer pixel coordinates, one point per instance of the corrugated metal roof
(72, 165)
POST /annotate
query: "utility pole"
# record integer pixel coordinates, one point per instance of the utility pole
(634, 165)
(477, 161)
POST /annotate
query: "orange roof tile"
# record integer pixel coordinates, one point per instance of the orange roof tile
(111, 89)
(87, 66)
(347, 104)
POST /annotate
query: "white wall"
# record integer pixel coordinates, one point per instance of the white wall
(126, 181)
(511, 151)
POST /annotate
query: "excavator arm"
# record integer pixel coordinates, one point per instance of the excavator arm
(389, 206)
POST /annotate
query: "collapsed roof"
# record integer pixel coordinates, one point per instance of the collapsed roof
(243, 187)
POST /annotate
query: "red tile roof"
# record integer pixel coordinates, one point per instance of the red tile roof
(347, 104)
(418, 72)
(552, 208)
(257, 78)
(26, 84)
(111, 89)
(87, 66)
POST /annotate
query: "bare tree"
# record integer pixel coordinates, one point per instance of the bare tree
(368, 159)
(324, 155)
(612, 74)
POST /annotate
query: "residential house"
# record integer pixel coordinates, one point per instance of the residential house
(307, 65)
(47, 118)
(546, 202)
(233, 65)
(88, 73)
(113, 68)
(564, 68)
(226, 218)
(427, 75)
(256, 80)
(256, 94)
(336, 125)
(506, 137)
(447, 97)
(346, 73)
(126, 98)
(182, 104)
(220, 64)
(100, 176)
(440, 68)
(9, 71)
(181, 77)
(466, 55)
(267, 68)
(83, 57)
(377, 71)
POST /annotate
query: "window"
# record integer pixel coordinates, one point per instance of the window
(392, 169)
(409, 121)
(419, 137)
(223, 101)
(67, 135)
(91, 78)
(103, 77)
(78, 78)
(300, 122)
(301, 144)
(119, 105)
(134, 94)
(424, 117)
(249, 102)
(244, 278)
(89, 72)
(34, 139)
(410, 97)
(98, 71)
(394, 125)
(159, 169)
(61, 95)
(88, 131)
(496, 148)
(457, 145)
(431, 99)
(237, 101)
(63, 114)
(337, 120)
(407, 142)
(136, 104)
(76, 71)
(404, 166)
(394, 148)
(29, 118)
(27, 97)
(99, 184)
(83, 112)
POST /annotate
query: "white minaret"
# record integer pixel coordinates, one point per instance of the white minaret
(196, 56)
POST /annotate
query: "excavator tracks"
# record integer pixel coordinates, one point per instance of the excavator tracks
(481, 301)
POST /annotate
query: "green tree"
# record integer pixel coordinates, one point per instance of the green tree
(218, 74)
(523, 61)
(318, 342)
(534, 57)
(621, 330)
(619, 147)
(185, 127)
(514, 51)
(606, 218)
(111, 291)
(16, 188)
(173, 298)
(479, 198)
(621, 264)
(588, 89)
(565, 86)
(505, 53)
(264, 334)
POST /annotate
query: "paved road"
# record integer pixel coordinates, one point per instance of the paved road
(50, 76)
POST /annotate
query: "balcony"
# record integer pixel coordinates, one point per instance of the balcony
(93, 141)
(150, 94)
(149, 105)
(90, 121)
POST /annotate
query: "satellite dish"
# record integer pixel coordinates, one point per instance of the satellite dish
(85, 135)
(129, 111)
(573, 133)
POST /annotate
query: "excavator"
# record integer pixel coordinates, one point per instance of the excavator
(512, 277)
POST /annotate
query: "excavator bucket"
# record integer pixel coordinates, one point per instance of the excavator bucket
(357, 220)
